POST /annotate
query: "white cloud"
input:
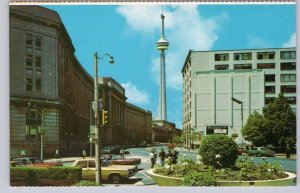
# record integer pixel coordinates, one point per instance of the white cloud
(257, 42)
(185, 30)
(135, 95)
(291, 42)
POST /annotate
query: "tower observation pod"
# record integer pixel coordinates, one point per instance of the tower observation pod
(162, 45)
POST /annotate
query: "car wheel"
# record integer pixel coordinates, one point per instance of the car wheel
(115, 178)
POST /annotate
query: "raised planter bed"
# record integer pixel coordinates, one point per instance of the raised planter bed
(172, 181)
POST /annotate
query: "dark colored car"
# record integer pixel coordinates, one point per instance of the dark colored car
(118, 161)
(33, 161)
(260, 151)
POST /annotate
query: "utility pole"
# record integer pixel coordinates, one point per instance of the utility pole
(97, 129)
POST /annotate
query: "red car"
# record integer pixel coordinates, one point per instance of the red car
(118, 161)
(34, 161)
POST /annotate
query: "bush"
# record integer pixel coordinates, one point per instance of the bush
(199, 179)
(56, 173)
(218, 151)
(86, 183)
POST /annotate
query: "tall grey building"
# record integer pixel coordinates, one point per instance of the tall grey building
(222, 88)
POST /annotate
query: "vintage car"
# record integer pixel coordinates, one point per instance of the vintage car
(260, 151)
(112, 173)
(117, 160)
(33, 161)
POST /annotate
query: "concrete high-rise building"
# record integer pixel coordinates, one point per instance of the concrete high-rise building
(162, 45)
(215, 81)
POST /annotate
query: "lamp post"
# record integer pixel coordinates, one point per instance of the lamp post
(241, 103)
(96, 114)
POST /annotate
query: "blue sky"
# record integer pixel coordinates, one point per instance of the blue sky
(129, 33)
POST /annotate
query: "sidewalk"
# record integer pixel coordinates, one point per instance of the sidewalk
(63, 159)
(293, 156)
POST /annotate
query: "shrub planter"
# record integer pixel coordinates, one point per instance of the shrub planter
(172, 181)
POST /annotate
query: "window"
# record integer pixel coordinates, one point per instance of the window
(38, 62)
(270, 78)
(288, 55)
(269, 100)
(265, 65)
(222, 67)
(31, 132)
(242, 66)
(38, 85)
(29, 84)
(265, 55)
(269, 89)
(288, 88)
(29, 60)
(243, 56)
(29, 39)
(38, 41)
(291, 100)
(288, 66)
(222, 57)
(288, 78)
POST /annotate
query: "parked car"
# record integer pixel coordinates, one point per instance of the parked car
(113, 173)
(113, 150)
(241, 150)
(118, 161)
(33, 161)
(260, 151)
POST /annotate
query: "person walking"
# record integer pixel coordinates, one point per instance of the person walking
(162, 155)
(151, 157)
(56, 153)
(122, 153)
(83, 153)
(288, 151)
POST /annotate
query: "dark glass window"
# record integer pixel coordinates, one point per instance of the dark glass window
(222, 67)
(38, 85)
(269, 89)
(222, 57)
(265, 55)
(291, 100)
(29, 39)
(288, 55)
(29, 84)
(38, 41)
(270, 78)
(38, 61)
(242, 66)
(243, 56)
(265, 65)
(288, 88)
(269, 100)
(29, 60)
(288, 66)
(288, 78)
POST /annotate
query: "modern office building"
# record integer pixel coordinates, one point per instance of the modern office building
(217, 85)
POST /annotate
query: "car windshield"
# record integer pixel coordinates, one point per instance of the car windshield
(35, 160)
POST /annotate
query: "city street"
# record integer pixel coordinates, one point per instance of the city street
(142, 178)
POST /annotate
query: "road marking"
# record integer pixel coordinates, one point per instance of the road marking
(144, 174)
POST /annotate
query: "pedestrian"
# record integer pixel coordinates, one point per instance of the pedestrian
(162, 155)
(288, 151)
(56, 153)
(155, 156)
(151, 157)
(83, 154)
(122, 153)
(169, 154)
(174, 156)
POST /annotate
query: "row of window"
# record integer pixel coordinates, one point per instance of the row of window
(291, 100)
(260, 55)
(33, 63)
(283, 78)
(283, 66)
(283, 89)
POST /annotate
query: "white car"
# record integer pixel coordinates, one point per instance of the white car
(114, 173)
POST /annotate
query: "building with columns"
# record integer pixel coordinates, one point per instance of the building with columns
(222, 88)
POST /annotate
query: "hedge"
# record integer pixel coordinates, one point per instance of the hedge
(55, 173)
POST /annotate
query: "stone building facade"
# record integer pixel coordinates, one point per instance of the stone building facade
(50, 92)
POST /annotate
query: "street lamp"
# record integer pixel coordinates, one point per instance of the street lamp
(96, 112)
(241, 103)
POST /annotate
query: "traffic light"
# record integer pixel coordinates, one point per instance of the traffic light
(104, 117)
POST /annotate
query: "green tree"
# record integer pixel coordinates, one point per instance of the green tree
(280, 122)
(255, 130)
(178, 139)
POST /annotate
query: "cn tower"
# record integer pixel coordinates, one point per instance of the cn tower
(162, 45)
